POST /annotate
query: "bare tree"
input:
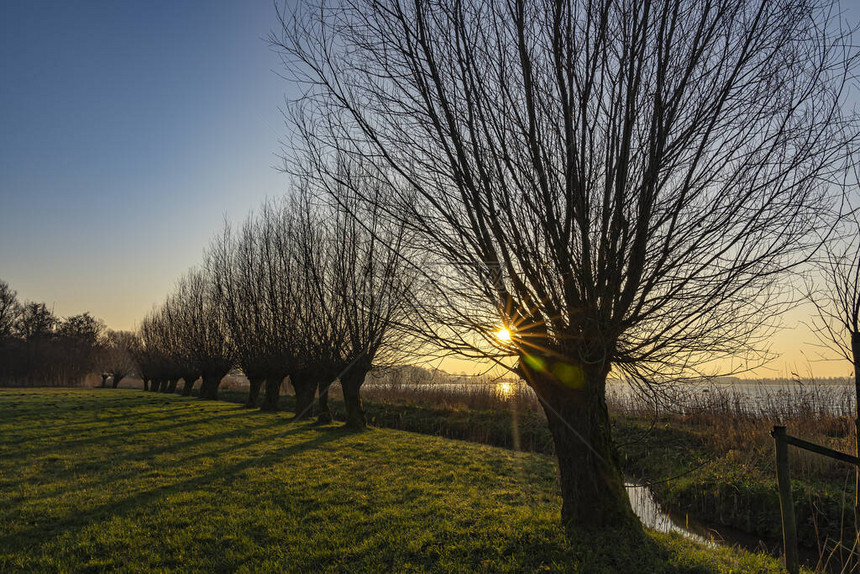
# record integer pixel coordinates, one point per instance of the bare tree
(75, 346)
(159, 353)
(150, 352)
(363, 284)
(9, 310)
(236, 268)
(117, 359)
(199, 333)
(177, 331)
(319, 333)
(836, 299)
(35, 322)
(253, 274)
(617, 185)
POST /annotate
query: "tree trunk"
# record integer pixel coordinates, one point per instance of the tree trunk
(323, 413)
(117, 379)
(573, 397)
(104, 380)
(171, 386)
(189, 385)
(114, 383)
(209, 387)
(166, 385)
(254, 391)
(305, 391)
(351, 383)
(855, 355)
(156, 384)
(202, 390)
(273, 393)
(145, 384)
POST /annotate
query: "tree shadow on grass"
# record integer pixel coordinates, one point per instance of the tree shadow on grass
(86, 517)
(26, 452)
(48, 419)
(97, 425)
(108, 477)
(612, 550)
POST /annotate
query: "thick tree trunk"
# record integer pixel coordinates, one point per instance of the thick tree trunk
(351, 383)
(254, 391)
(209, 387)
(155, 385)
(273, 394)
(169, 386)
(117, 379)
(323, 413)
(104, 380)
(114, 383)
(145, 384)
(305, 391)
(202, 390)
(855, 357)
(592, 485)
(189, 385)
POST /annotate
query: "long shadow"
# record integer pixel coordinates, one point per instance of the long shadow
(147, 454)
(226, 435)
(13, 413)
(26, 452)
(107, 422)
(36, 536)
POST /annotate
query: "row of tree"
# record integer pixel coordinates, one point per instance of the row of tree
(304, 290)
(37, 348)
(613, 185)
(609, 185)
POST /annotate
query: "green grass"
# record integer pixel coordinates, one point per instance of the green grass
(98, 480)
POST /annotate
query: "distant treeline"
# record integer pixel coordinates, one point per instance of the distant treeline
(37, 348)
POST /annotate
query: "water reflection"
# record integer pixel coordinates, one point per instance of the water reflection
(652, 515)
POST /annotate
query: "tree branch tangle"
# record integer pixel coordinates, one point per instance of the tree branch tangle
(640, 173)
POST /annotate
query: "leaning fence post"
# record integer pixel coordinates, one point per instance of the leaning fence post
(786, 502)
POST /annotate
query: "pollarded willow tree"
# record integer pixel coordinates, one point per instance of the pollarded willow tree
(316, 337)
(200, 332)
(154, 351)
(620, 183)
(359, 283)
(115, 355)
(254, 276)
(237, 268)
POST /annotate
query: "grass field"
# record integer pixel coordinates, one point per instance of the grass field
(101, 479)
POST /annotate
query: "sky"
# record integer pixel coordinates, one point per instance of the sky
(129, 131)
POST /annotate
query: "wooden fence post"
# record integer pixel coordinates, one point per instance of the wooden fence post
(786, 502)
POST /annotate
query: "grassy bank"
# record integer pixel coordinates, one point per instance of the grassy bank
(734, 484)
(96, 480)
(710, 456)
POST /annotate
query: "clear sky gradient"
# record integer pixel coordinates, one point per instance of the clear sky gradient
(130, 129)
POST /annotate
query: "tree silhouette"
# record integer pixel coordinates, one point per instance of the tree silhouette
(199, 339)
(117, 358)
(619, 184)
(9, 310)
(837, 299)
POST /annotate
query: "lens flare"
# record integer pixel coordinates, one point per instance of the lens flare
(504, 390)
(503, 335)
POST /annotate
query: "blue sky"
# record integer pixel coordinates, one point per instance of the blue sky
(128, 131)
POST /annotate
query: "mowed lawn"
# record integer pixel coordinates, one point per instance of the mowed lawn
(122, 480)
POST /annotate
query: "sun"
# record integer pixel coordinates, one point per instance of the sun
(503, 335)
